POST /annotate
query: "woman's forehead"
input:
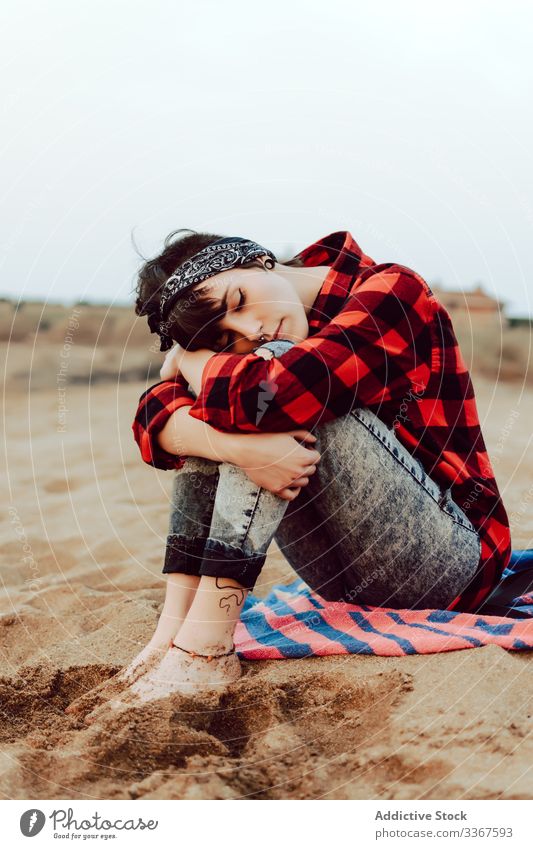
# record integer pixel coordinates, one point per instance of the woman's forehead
(216, 286)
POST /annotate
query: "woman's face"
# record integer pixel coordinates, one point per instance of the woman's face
(257, 300)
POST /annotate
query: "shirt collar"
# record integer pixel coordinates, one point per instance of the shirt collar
(341, 252)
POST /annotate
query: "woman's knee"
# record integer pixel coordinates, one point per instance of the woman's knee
(237, 495)
(209, 479)
(340, 442)
(198, 477)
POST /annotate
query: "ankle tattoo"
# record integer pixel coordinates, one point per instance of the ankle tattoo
(235, 598)
(209, 657)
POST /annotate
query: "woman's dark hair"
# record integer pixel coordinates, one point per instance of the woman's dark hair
(198, 325)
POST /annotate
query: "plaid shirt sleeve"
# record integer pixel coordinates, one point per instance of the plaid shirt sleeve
(156, 405)
(374, 350)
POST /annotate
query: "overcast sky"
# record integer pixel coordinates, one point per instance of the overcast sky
(406, 123)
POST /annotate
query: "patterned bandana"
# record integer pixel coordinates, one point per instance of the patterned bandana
(219, 256)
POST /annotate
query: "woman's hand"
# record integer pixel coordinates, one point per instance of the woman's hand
(274, 461)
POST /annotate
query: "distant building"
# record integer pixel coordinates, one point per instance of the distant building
(475, 303)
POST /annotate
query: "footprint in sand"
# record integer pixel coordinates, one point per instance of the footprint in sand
(61, 485)
(276, 734)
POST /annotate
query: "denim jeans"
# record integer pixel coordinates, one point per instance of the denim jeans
(371, 527)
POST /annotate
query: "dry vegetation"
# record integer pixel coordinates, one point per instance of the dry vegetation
(109, 342)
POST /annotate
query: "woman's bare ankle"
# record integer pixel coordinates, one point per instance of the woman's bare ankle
(167, 628)
(212, 618)
(161, 639)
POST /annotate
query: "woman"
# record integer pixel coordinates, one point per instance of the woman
(390, 501)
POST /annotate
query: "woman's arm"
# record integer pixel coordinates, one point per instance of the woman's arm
(163, 433)
(156, 406)
(191, 365)
(375, 350)
(281, 463)
(184, 436)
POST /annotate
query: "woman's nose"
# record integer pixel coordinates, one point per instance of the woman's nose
(248, 328)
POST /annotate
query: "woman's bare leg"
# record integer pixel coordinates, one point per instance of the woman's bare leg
(179, 596)
(192, 502)
(202, 650)
(213, 615)
(180, 593)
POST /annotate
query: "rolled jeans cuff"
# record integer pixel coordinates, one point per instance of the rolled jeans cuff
(222, 560)
(184, 554)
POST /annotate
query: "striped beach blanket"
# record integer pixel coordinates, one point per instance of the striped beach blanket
(293, 622)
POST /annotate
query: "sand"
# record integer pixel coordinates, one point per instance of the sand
(81, 552)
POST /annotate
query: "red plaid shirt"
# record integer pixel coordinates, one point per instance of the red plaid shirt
(378, 338)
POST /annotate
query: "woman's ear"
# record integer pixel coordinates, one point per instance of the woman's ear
(267, 262)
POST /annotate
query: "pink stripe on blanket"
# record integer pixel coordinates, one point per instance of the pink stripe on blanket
(292, 623)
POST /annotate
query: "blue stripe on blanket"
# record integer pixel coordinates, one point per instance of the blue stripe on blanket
(351, 644)
(397, 618)
(260, 630)
(363, 623)
(314, 621)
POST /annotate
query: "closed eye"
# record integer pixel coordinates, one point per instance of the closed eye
(226, 339)
(242, 301)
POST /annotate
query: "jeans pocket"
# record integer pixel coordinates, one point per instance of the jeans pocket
(452, 508)
(388, 438)
(390, 441)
